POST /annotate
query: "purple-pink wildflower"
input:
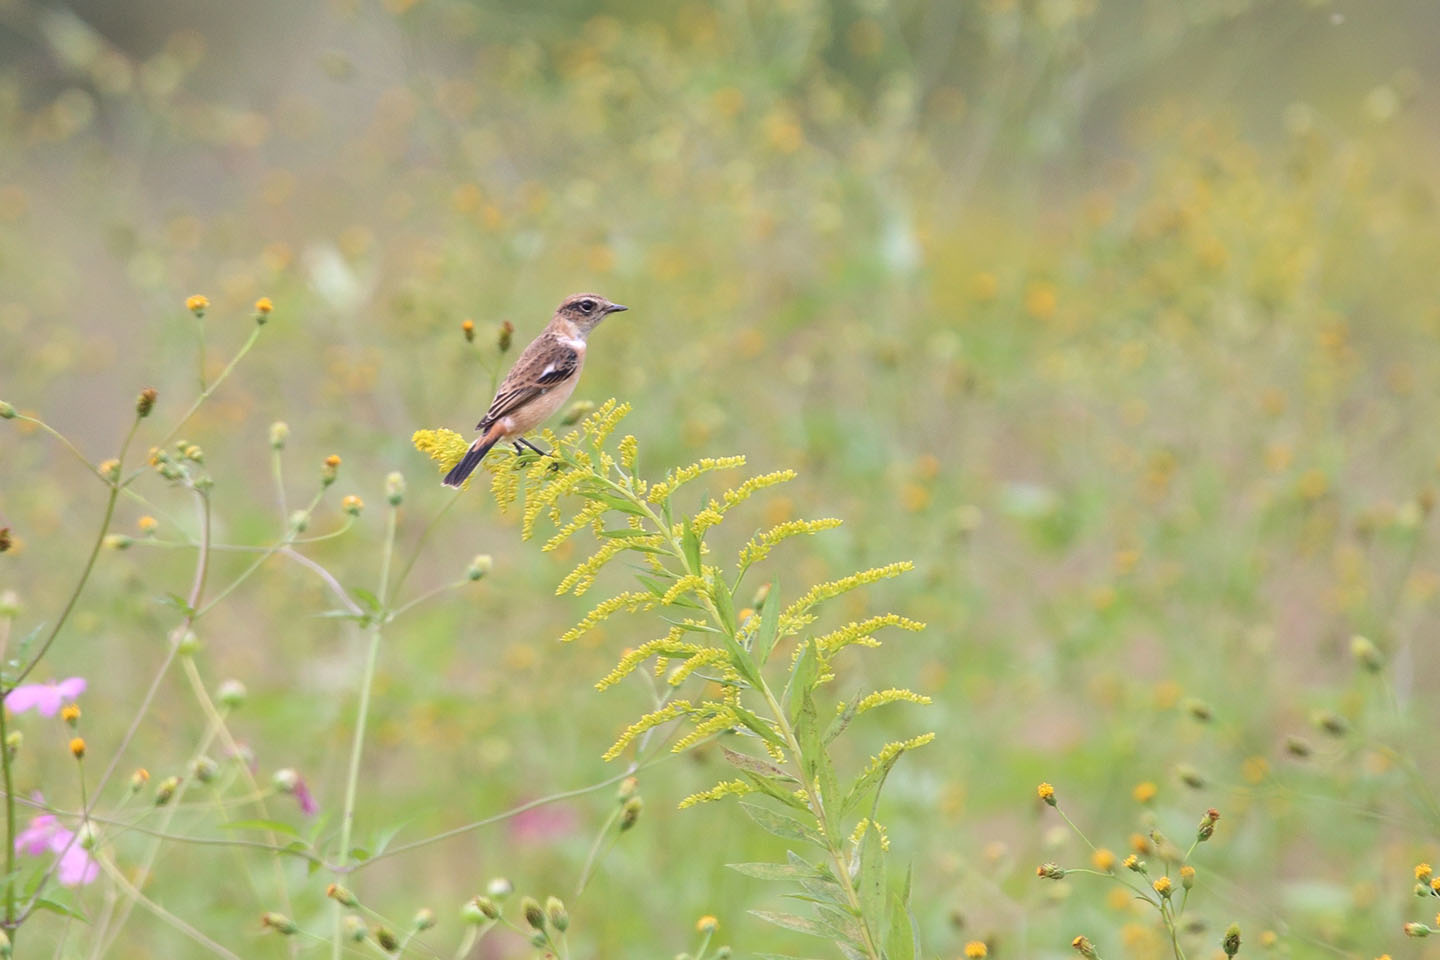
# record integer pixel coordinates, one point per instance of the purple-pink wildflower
(46, 833)
(45, 698)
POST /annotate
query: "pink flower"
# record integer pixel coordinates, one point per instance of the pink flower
(45, 833)
(289, 781)
(44, 697)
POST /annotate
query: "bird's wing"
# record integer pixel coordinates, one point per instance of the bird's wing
(545, 363)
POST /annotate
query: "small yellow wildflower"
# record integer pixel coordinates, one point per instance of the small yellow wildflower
(147, 524)
(1140, 843)
(352, 505)
(1144, 792)
(976, 949)
(1187, 876)
(1046, 792)
(1132, 862)
(70, 713)
(1162, 886)
(77, 747)
(1103, 860)
(467, 327)
(1422, 872)
(707, 924)
(197, 304)
(1435, 884)
(264, 306)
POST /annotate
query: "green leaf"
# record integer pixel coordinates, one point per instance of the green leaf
(872, 882)
(787, 828)
(791, 922)
(814, 760)
(838, 725)
(44, 903)
(757, 726)
(626, 533)
(902, 941)
(272, 826)
(776, 789)
(754, 764)
(725, 604)
(767, 871)
(769, 624)
(366, 599)
(691, 545)
(359, 854)
(802, 679)
(740, 658)
(615, 503)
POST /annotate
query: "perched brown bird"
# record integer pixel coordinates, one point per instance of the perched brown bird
(542, 379)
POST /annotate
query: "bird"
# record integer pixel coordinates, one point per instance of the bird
(542, 379)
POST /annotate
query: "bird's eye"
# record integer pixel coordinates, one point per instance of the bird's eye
(587, 305)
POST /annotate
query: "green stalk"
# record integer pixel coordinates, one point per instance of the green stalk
(357, 743)
(9, 830)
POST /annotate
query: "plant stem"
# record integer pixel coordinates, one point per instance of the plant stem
(357, 743)
(9, 829)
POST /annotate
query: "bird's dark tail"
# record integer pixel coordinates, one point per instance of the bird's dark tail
(462, 470)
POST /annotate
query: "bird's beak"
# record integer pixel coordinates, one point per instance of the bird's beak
(616, 308)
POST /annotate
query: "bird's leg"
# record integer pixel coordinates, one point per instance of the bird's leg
(522, 440)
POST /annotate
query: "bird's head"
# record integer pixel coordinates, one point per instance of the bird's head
(585, 310)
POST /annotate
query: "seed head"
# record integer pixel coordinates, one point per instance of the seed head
(480, 566)
(1084, 947)
(559, 917)
(279, 433)
(1206, 830)
(1231, 943)
(502, 338)
(534, 915)
(231, 693)
(630, 812)
(1366, 654)
(205, 769)
(387, 939)
(395, 488)
(424, 919)
(146, 401)
(197, 304)
(480, 909)
(355, 929)
(279, 923)
(7, 412)
(165, 792)
(1050, 871)
(341, 895)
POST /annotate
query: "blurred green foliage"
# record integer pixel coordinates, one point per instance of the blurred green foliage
(1118, 319)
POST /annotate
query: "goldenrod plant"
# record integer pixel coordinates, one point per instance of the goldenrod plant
(755, 676)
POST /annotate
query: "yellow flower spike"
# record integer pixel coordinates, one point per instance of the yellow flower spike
(445, 447)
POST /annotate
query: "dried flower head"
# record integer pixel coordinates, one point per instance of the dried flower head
(146, 401)
(1084, 947)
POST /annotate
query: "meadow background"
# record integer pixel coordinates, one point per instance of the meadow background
(1119, 319)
